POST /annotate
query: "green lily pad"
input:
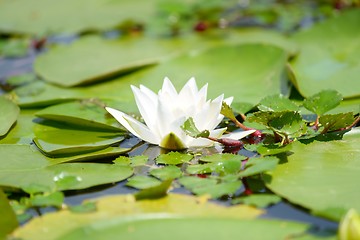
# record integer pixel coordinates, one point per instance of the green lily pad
(59, 139)
(9, 113)
(328, 57)
(142, 182)
(85, 113)
(321, 175)
(167, 172)
(113, 57)
(258, 200)
(97, 155)
(119, 206)
(208, 67)
(173, 158)
(191, 228)
(23, 166)
(209, 186)
(43, 17)
(259, 165)
(15, 47)
(323, 101)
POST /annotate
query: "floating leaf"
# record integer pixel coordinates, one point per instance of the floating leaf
(97, 155)
(69, 17)
(9, 113)
(142, 182)
(222, 157)
(8, 221)
(113, 57)
(289, 123)
(336, 121)
(21, 79)
(320, 175)
(119, 206)
(86, 207)
(22, 166)
(205, 66)
(201, 168)
(323, 101)
(167, 172)
(53, 199)
(154, 192)
(173, 158)
(202, 186)
(14, 47)
(272, 149)
(277, 103)
(191, 130)
(88, 114)
(58, 139)
(258, 200)
(259, 165)
(328, 57)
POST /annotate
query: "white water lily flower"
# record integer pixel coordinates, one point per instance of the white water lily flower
(165, 113)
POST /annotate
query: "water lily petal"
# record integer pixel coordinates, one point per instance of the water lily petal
(132, 125)
(238, 135)
(168, 87)
(146, 108)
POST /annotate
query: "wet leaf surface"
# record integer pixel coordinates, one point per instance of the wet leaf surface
(23, 166)
(320, 175)
(328, 57)
(125, 206)
(42, 17)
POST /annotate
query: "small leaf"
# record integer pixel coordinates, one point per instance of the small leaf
(14, 47)
(53, 199)
(323, 101)
(142, 182)
(191, 130)
(202, 186)
(21, 79)
(227, 111)
(139, 160)
(273, 149)
(222, 157)
(201, 168)
(134, 161)
(173, 158)
(277, 103)
(167, 172)
(290, 123)
(34, 188)
(86, 207)
(337, 121)
(155, 192)
(258, 200)
(259, 165)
